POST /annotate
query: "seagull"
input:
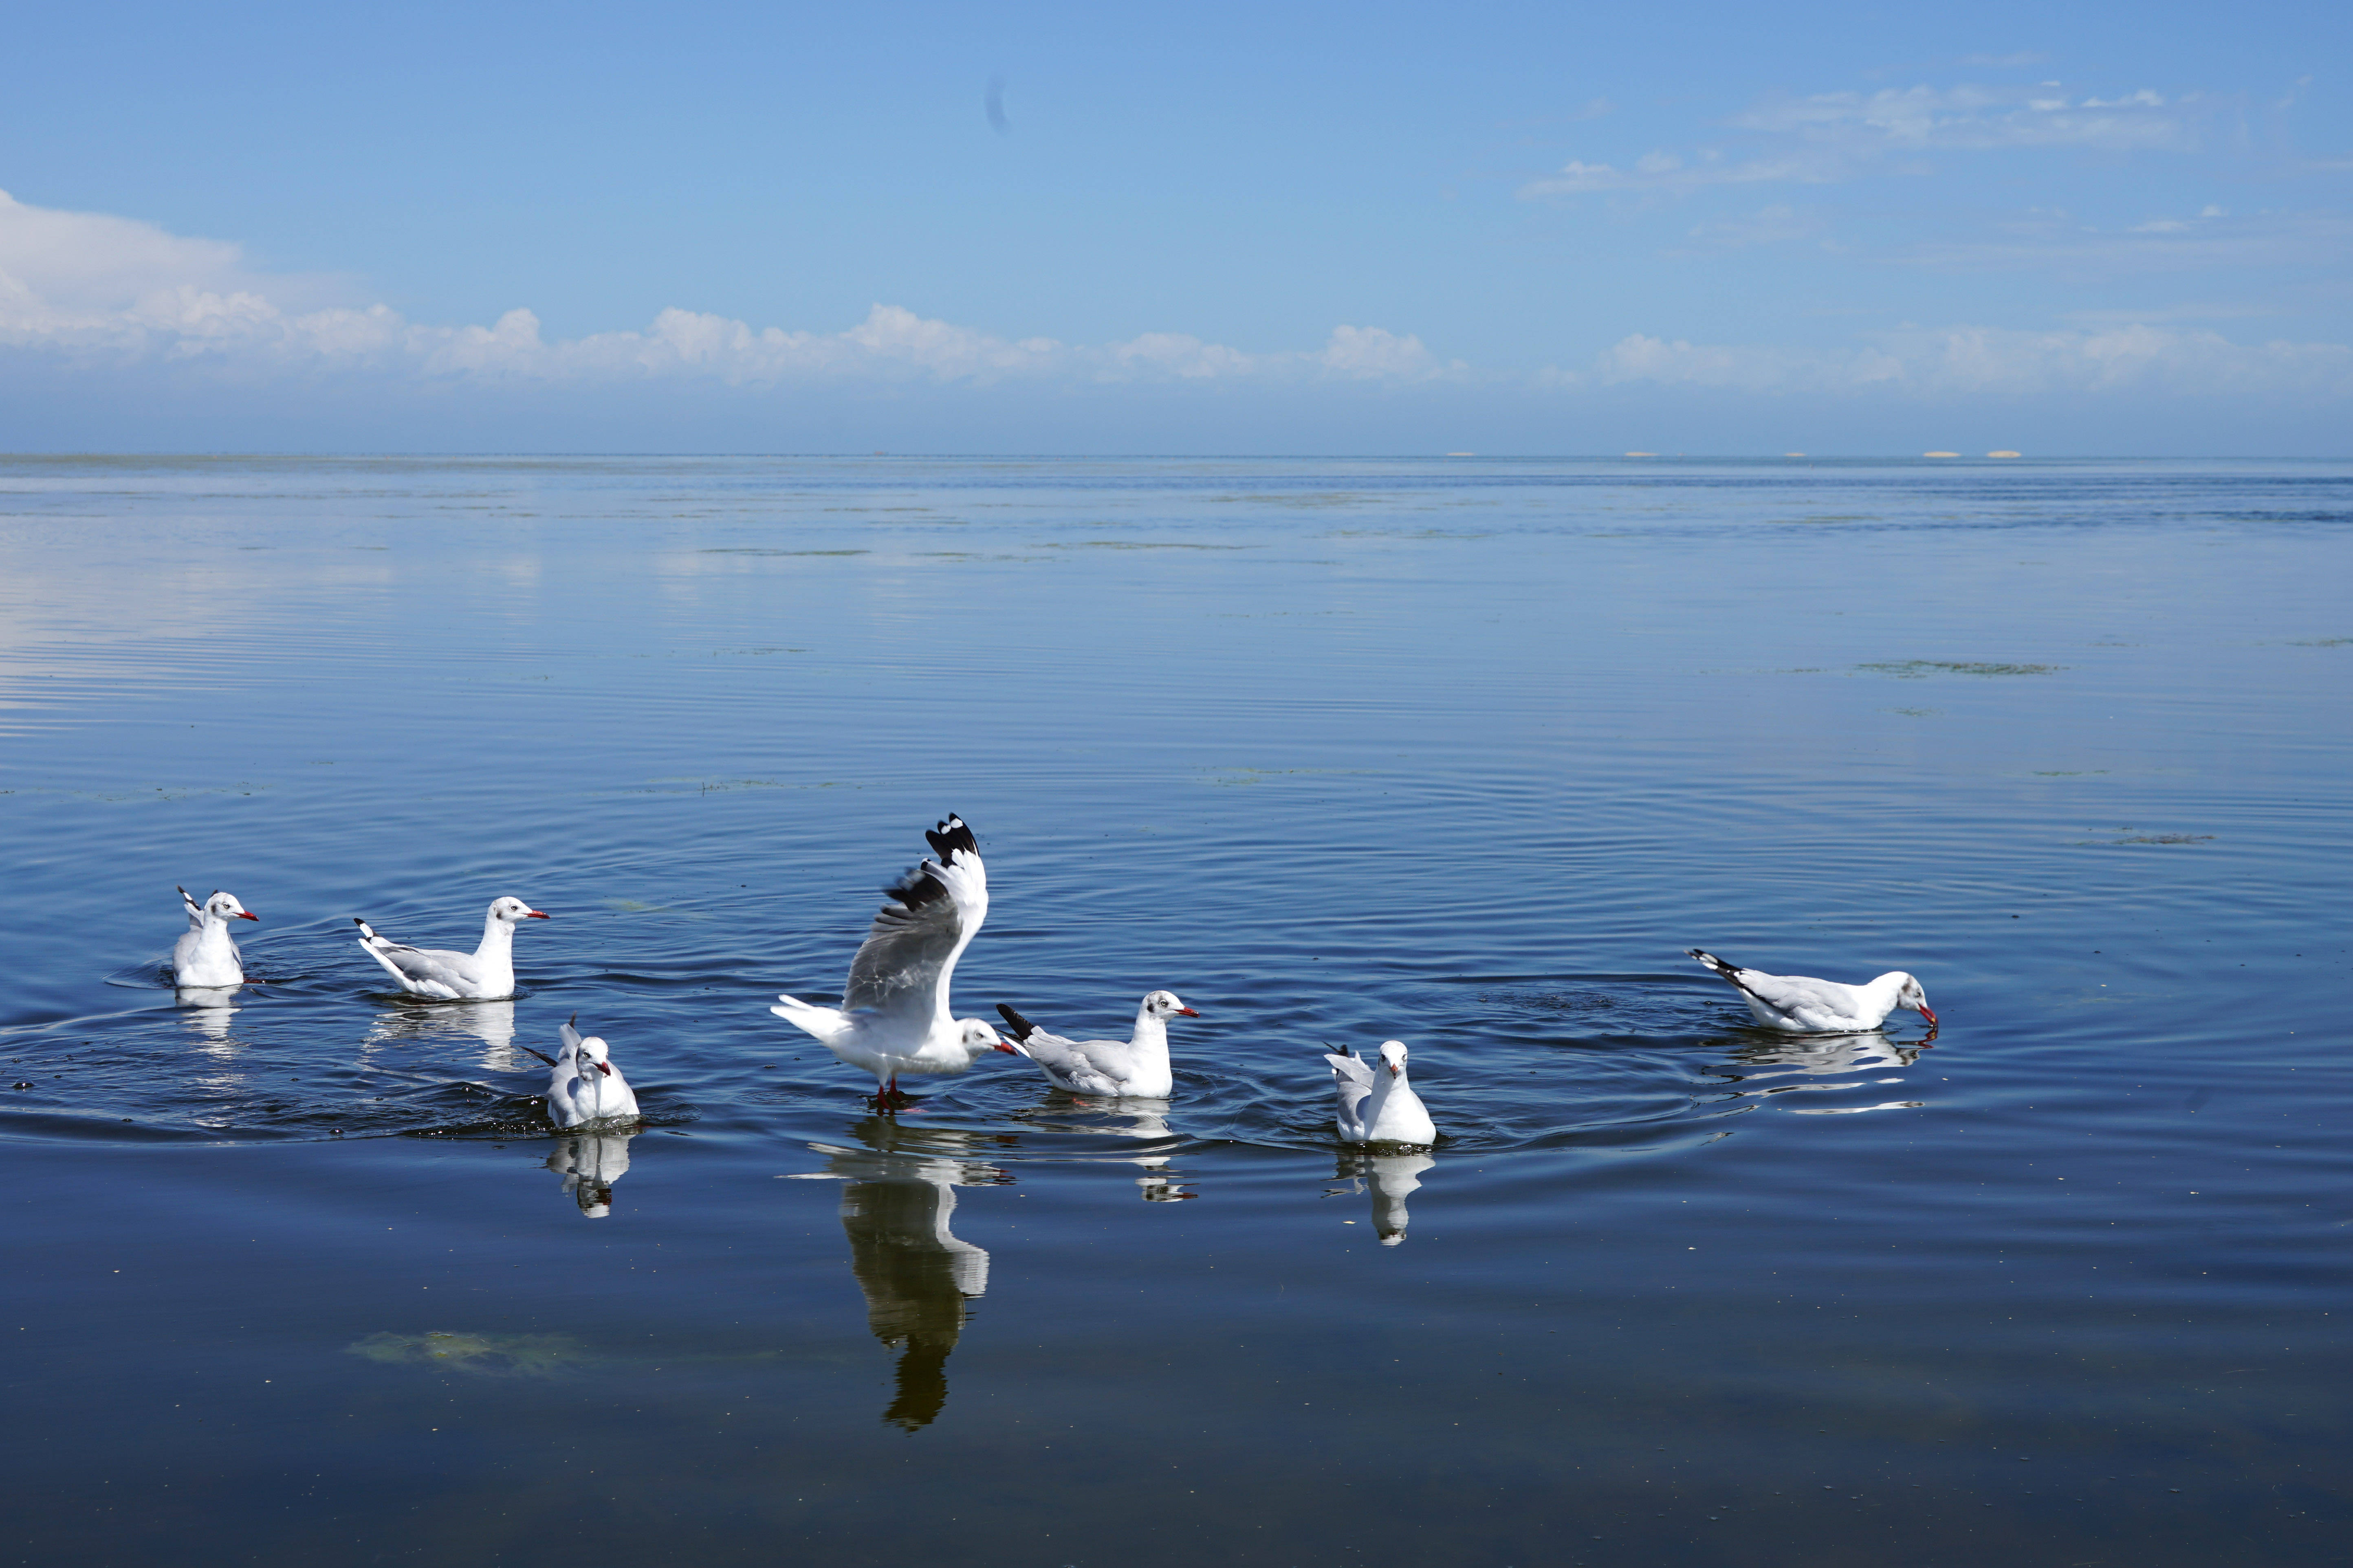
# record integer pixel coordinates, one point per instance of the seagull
(1137, 1067)
(584, 1086)
(204, 958)
(1379, 1107)
(1806, 1006)
(485, 974)
(893, 1017)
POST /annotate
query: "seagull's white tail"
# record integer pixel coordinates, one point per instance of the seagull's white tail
(374, 946)
(825, 1023)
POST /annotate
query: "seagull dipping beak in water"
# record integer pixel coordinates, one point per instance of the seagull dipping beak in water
(1802, 1005)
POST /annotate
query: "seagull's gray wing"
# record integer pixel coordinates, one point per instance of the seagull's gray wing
(903, 966)
(1104, 1062)
(1352, 1080)
(1799, 996)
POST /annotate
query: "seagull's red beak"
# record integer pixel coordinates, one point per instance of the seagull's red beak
(605, 1067)
(536, 915)
(247, 915)
(1186, 1012)
(1929, 1012)
(1395, 1069)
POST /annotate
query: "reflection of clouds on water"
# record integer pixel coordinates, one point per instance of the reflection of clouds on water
(1824, 1056)
(492, 1022)
(915, 1275)
(1389, 1177)
(590, 1164)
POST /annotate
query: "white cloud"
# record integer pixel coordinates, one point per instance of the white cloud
(86, 285)
(1994, 360)
(1370, 353)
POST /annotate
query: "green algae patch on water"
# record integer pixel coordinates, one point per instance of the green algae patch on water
(1922, 668)
(483, 1355)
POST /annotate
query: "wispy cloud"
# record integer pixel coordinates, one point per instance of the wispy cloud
(1668, 172)
(89, 285)
(1977, 119)
(2206, 240)
(1778, 224)
(1974, 360)
(1833, 136)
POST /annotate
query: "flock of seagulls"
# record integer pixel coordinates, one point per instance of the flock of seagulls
(895, 1019)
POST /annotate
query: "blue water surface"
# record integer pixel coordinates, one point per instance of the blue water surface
(1463, 753)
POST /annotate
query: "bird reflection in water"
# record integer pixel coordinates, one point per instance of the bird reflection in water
(1389, 1177)
(492, 1022)
(590, 1163)
(1823, 1056)
(1815, 1055)
(916, 1277)
(1066, 1113)
(209, 1011)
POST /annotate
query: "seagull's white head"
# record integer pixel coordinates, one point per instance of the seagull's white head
(593, 1051)
(513, 909)
(226, 907)
(1164, 1005)
(978, 1036)
(1911, 995)
(1393, 1057)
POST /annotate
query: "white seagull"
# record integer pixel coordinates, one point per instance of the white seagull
(584, 1086)
(1379, 1107)
(1806, 1006)
(204, 958)
(1136, 1067)
(895, 1017)
(485, 974)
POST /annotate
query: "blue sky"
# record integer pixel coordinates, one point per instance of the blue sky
(1532, 228)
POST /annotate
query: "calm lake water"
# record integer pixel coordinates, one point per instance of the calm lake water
(1461, 752)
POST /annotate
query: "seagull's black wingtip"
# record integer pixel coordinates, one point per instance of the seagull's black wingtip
(1022, 1027)
(917, 888)
(952, 837)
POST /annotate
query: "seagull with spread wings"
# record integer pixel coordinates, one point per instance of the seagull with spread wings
(894, 1016)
